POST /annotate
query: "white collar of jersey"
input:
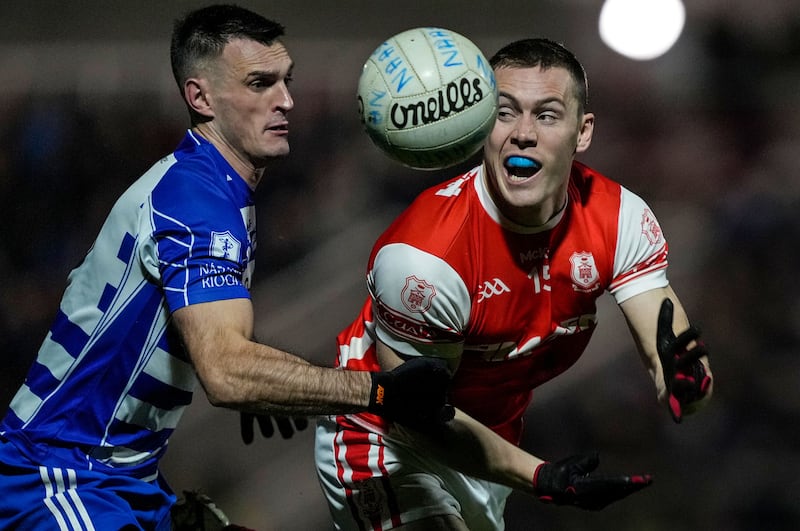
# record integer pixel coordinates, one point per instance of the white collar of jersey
(494, 212)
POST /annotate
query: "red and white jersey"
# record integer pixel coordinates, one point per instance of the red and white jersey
(512, 306)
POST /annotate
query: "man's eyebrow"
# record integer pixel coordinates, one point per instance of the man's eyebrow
(514, 101)
(511, 99)
(273, 73)
(552, 99)
(262, 73)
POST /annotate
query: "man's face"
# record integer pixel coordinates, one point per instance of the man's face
(539, 120)
(249, 97)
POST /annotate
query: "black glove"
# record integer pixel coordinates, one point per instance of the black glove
(285, 427)
(568, 482)
(196, 512)
(413, 394)
(684, 374)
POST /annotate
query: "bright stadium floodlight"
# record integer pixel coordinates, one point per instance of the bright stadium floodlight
(641, 29)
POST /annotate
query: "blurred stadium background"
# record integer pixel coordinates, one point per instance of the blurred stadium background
(708, 134)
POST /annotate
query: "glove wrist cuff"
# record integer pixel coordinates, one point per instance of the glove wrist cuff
(535, 478)
(377, 392)
(540, 482)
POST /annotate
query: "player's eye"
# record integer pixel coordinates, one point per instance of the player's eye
(259, 83)
(505, 113)
(547, 116)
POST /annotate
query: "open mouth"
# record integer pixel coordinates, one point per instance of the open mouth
(521, 168)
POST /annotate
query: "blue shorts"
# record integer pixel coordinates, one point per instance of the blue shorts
(67, 499)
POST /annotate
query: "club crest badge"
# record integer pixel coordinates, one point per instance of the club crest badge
(583, 272)
(417, 295)
(224, 245)
(650, 227)
(370, 500)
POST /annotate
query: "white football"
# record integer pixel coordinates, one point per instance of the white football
(427, 97)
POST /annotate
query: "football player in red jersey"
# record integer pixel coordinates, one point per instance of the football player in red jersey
(497, 271)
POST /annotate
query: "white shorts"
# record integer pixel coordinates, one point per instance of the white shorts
(374, 482)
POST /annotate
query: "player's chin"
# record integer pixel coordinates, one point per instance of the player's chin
(276, 149)
(267, 157)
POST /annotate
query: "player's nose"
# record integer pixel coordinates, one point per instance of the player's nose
(524, 134)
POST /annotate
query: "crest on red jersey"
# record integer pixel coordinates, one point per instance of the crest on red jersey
(584, 271)
(650, 227)
(417, 294)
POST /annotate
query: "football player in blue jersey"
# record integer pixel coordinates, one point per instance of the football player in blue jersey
(161, 303)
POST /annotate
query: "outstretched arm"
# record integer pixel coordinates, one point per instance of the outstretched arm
(470, 447)
(677, 361)
(239, 373)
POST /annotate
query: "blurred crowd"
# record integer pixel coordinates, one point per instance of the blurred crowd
(709, 138)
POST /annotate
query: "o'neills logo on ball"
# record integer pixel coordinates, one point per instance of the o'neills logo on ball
(453, 98)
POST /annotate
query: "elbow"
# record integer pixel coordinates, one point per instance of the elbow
(218, 400)
(218, 365)
(219, 388)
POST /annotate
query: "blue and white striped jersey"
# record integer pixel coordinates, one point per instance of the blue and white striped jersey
(111, 379)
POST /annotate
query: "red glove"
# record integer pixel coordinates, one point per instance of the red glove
(570, 482)
(684, 374)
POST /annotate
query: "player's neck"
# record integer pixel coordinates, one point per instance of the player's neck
(243, 167)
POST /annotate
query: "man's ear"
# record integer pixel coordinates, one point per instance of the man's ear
(196, 94)
(585, 133)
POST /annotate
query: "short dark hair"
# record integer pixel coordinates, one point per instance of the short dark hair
(544, 53)
(202, 35)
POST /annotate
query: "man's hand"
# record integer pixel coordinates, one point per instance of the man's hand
(285, 427)
(196, 512)
(685, 375)
(413, 394)
(570, 482)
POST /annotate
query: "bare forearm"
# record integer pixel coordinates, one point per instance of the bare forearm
(261, 378)
(239, 373)
(468, 446)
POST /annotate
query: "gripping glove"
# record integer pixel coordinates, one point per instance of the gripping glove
(285, 427)
(413, 394)
(685, 375)
(196, 512)
(568, 482)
